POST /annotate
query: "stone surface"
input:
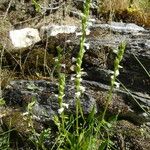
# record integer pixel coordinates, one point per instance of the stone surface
(24, 37)
(132, 106)
(21, 93)
(122, 27)
(98, 65)
(128, 136)
(98, 60)
(54, 30)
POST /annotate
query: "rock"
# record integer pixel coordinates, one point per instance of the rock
(24, 37)
(98, 60)
(131, 106)
(122, 27)
(54, 30)
(98, 64)
(129, 136)
(21, 93)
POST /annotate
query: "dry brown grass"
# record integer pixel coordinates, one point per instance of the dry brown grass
(123, 10)
(114, 5)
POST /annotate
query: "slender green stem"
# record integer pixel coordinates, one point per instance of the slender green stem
(141, 65)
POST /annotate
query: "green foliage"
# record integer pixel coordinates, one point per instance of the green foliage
(38, 139)
(85, 139)
(30, 106)
(2, 102)
(4, 141)
(37, 6)
(5, 138)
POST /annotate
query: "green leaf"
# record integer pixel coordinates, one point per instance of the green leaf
(81, 136)
(91, 116)
(30, 105)
(32, 87)
(37, 6)
(113, 118)
(2, 102)
(103, 145)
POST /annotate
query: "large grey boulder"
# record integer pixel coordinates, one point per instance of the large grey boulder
(131, 106)
(21, 93)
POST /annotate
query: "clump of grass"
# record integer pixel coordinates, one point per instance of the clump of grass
(5, 140)
(135, 11)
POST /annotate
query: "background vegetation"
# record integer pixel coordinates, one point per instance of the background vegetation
(137, 11)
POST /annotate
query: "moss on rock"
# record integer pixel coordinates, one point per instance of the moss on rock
(129, 136)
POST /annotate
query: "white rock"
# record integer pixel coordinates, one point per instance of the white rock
(122, 27)
(24, 37)
(147, 43)
(53, 30)
(126, 26)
